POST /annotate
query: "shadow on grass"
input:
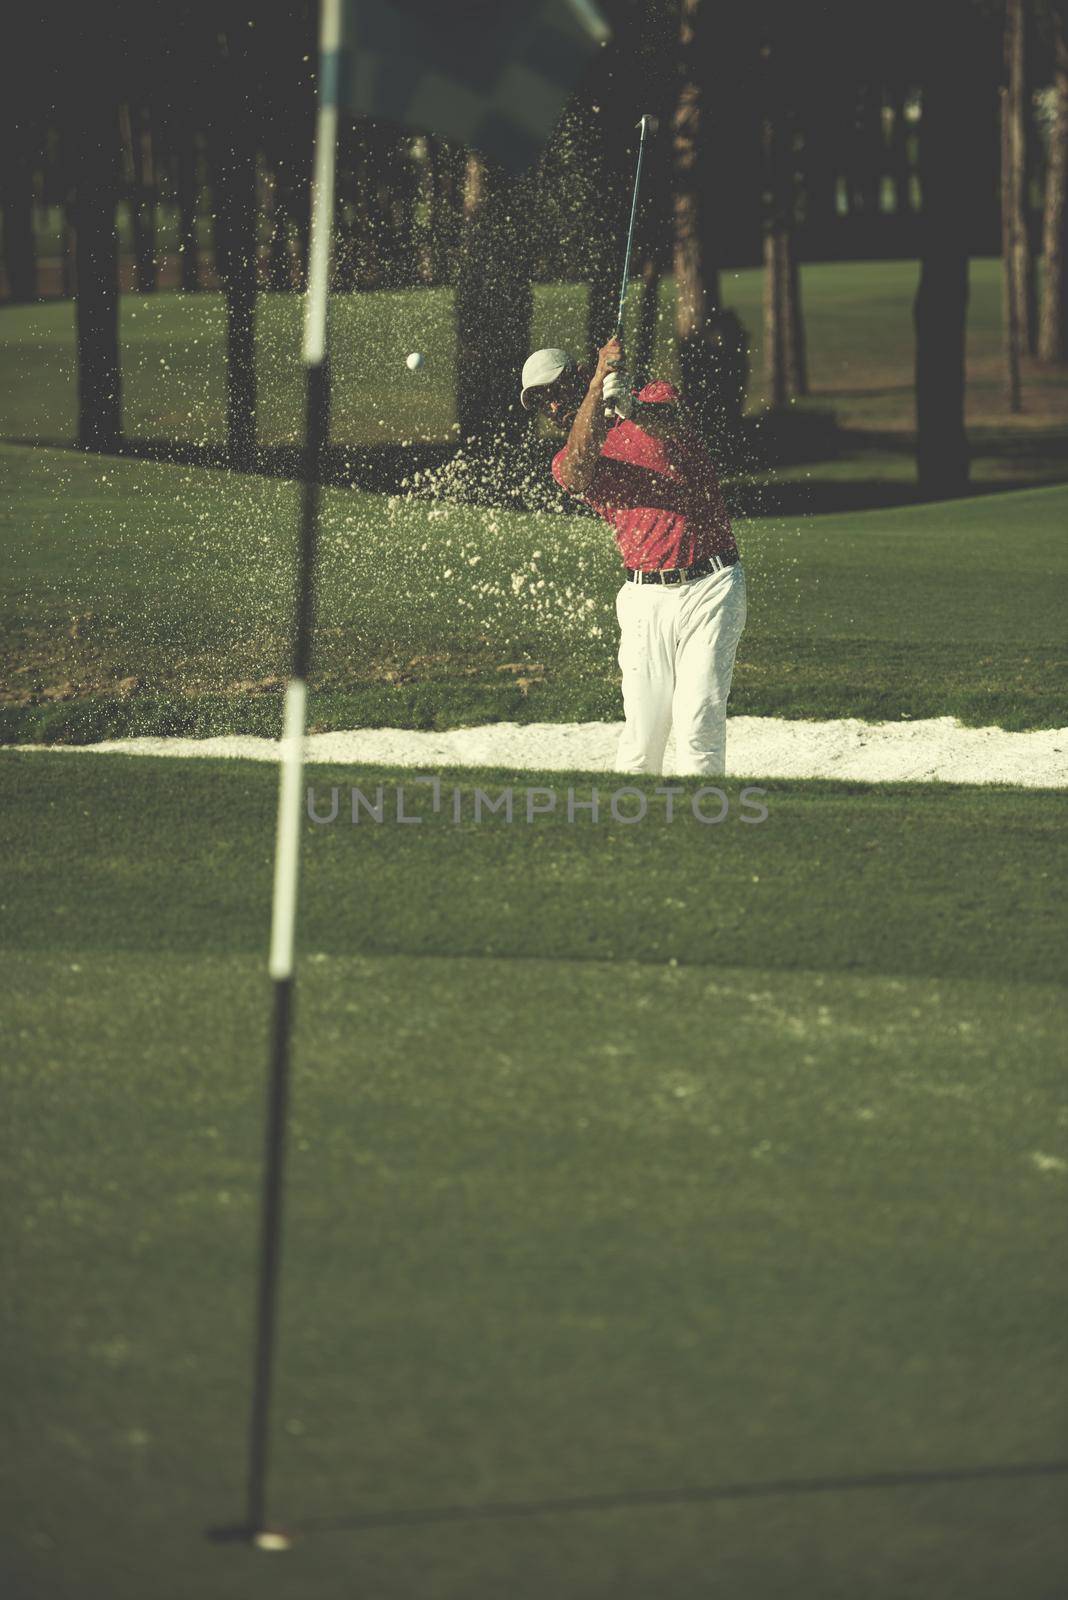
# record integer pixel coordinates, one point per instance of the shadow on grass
(498, 1510)
(517, 476)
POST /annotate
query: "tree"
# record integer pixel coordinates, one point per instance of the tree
(784, 341)
(776, 269)
(948, 180)
(796, 346)
(141, 191)
(623, 82)
(1017, 191)
(233, 157)
(283, 70)
(822, 124)
(717, 58)
(494, 303)
(900, 164)
(435, 196)
(176, 98)
(613, 139)
(648, 317)
(16, 197)
(1010, 305)
(697, 289)
(1053, 329)
(92, 149)
(865, 156)
(23, 101)
(187, 185)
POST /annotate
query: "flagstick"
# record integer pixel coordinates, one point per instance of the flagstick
(281, 961)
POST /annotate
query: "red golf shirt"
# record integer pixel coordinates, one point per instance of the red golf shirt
(661, 496)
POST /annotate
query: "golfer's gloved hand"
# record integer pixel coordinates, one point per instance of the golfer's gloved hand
(618, 400)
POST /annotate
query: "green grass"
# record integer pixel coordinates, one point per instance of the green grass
(624, 1161)
(859, 333)
(663, 1187)
(950, 869)
(176, 582)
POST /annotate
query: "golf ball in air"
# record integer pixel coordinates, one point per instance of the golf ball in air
(414, 361)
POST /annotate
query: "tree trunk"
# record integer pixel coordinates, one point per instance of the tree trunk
(141, 177)
(188, 192)
(784, 348)
(899, 155)
(494, 305)
(717, 53)
(602, 296)
(820, 183)
(733, 135)
(869, 159)
(20, 255)
(697, 286)
(235, 248)
(70, 249)
(947, 180)
(612, 146)
(428, 182)
(404, 184)
(94, 161)
(447, 209)
(348, 218)
(697, 289)
(279, 255)
(1019, 113)
(1053, 332)
(775, 384)
(372, 226)
(1009, 305)
(796, 353)
(436, 226)
(778, 185)
(648, 319)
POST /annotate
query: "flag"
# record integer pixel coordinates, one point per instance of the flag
(491, 74)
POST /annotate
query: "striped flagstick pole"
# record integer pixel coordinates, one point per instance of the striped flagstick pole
(281, 963)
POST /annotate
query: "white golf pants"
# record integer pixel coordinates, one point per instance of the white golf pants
(676, 649)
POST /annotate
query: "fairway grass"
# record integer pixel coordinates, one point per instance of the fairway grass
(143, 598)
(654, 1193)
(556, 1231)
(137, 853)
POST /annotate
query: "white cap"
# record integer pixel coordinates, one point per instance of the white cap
(543, 367)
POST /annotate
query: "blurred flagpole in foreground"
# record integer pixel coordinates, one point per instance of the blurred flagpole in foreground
(281, 962)
(422, 65)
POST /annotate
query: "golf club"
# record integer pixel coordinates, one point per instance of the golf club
(647, 124)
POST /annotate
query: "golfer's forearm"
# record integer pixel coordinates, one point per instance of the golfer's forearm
(583, 449)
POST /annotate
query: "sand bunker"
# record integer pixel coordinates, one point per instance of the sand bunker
(937, 748)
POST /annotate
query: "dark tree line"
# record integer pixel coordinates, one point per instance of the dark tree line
(791, 130)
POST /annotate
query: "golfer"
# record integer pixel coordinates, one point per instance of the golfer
(638, 461)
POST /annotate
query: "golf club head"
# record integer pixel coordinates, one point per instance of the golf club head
(647, 124)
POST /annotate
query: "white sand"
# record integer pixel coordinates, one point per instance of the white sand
(760, 747)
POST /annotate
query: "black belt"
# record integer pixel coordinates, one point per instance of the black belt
(681, 574)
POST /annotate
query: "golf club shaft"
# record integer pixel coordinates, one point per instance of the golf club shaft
(643, 124)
